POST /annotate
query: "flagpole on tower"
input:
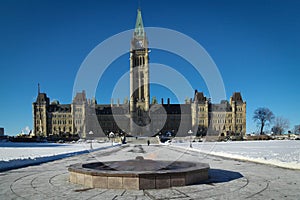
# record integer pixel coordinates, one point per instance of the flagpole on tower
(139, 4)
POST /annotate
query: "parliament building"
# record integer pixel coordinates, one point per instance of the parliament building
(139, 116)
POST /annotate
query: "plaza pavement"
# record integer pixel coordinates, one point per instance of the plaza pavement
(229, 179)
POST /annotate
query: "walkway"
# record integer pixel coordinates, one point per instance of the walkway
(230, 179)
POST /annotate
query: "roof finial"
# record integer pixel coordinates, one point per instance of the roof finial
(39, 88)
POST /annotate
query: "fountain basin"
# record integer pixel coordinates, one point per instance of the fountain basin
(138, 174)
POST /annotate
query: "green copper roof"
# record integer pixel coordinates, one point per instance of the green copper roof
(139, 27)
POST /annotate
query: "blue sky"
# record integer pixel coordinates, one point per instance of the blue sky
(255, 44)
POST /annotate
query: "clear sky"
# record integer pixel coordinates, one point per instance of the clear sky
(254, 43)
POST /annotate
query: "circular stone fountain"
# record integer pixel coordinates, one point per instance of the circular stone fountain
(138, 174)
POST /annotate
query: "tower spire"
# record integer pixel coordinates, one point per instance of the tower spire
(139, 26)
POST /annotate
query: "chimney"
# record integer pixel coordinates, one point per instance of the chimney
(168, 101)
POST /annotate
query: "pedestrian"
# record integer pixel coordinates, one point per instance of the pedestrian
(148, 142)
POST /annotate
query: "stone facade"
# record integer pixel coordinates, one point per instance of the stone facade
(223, 119)
(139, 117)
(84, 115)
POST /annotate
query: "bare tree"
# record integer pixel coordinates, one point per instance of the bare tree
(280, 125)
(297, 129)
(263, 116)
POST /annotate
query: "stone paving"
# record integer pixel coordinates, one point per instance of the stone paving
(229, 179)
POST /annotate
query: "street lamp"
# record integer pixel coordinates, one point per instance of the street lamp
(191, 133)
(91, 144)
(123, 137)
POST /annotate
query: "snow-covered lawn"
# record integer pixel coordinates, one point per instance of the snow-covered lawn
(15, 155)
(282, 153)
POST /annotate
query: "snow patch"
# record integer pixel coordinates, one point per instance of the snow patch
(17, 155)
(284, 153)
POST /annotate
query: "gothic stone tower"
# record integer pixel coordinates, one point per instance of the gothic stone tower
(40, 114)
(139, 76)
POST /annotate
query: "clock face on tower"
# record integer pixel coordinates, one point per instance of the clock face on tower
(139, 44)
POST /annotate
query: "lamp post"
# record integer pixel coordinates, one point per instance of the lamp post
(191, 133)
(91, 144)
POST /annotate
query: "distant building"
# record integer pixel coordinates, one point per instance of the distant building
(139, 116)
(225, 118)
(1, 131)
